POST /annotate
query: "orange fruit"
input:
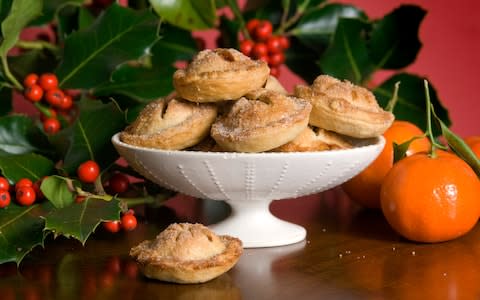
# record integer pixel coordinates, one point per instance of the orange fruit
(474, 143)
(365, 187)
(431, 199)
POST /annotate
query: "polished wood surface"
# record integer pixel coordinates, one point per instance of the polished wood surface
(349, 253)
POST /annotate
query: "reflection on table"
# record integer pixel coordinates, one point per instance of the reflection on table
(349, 253)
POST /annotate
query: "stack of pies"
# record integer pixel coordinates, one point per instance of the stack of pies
(225, 101)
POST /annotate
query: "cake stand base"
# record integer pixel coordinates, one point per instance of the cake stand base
(254, 224)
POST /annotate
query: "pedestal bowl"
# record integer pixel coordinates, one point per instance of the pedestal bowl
(249, 182)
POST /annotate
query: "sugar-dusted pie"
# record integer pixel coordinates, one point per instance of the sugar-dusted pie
(257, 125)
(315, 139)
(345, 108)
(187, 253)
(172, 124)
(220, 74)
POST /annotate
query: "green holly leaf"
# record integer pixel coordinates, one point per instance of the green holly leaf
(89, 136)
(174, 44)
(5, 6)
(80, 220)
(347, 55)
(316, 28)
(394, 41)
(29, 165)
(186, 14)
(21, 230)
(21, 12)
(58, 191)
(19, 135)
(51, 7)
(38, 60)
(299, 59)
(138, 82)
(6, 96)
(411, 105)
(118, 35)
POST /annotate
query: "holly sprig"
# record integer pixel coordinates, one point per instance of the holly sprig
(119, 57)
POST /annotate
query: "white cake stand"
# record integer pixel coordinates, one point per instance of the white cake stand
(249, 182)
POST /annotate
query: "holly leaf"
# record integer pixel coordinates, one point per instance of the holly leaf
(20, 14)
(174, 44)
(6, 96)
(51, 7)
(138, 82)
(38, 60)
(299, 59)
(186, 14)
(316, 28)
(394, 41)
(57, 190)
(29, 165)
(21, 229)
(80, 220)
(89, 136)
(19, 135)
(118, 35)
(347, 55)
(5, 6)
(411, 105)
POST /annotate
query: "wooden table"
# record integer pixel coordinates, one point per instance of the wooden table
(349, 253)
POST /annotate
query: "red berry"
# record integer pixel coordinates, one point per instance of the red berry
(118, 183)
(112, 226)
(275, 71)
(274, 45)
(263, 31)
(48, 81)
(252, 25)
(284, 42)
(23, 182)
(25, 195)
(88, 171)
(129, 222)
(80, 199)
(259, 50)
(276, 59)
(4, 198)
(4, 184)
(34, 93)
(30, 80)
(246, 47)
(54, 97)
(51, 125)
(36, 187)
(51, 114)
(66, 103)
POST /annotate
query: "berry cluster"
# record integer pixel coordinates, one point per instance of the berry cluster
(264, 44)
(25, 190)
(118, 183)
(127, 222)
(45, 87)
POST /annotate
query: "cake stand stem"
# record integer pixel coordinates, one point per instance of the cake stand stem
(253, 223)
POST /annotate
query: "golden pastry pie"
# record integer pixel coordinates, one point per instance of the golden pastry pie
(274, 85)
(220, 74)
(345, 108)
(170, 124)
(187, 253)
(262, 124)
(315, 139)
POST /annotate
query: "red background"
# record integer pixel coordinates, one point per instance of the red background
(450, 33)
